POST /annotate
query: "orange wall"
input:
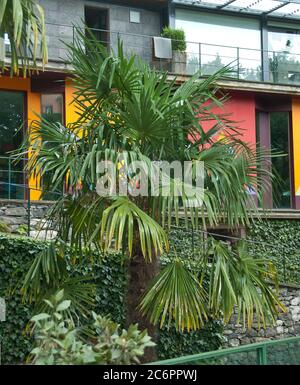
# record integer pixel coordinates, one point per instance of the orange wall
(70, 111)
(296, 144)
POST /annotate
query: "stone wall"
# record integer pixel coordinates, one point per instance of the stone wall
(14, 216)
(287, 325)
(60, 16)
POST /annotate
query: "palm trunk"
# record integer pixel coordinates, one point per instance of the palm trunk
(140, 274)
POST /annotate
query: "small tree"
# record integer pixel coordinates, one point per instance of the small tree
(127, 109)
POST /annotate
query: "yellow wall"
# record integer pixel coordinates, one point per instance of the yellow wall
(296, 143)
(33, 106)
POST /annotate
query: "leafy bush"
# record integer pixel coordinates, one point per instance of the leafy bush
(177, 36)
(58, 342)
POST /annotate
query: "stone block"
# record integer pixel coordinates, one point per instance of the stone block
(279, 330)
(15, 211)
(295, 301)
(234, 343)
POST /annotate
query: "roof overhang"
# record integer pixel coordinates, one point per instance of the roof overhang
(283, 9)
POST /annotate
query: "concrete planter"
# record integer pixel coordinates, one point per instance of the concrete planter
(179, 62)
(2, 49)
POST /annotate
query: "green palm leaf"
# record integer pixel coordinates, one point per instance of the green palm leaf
(175, 295)
(24, 23)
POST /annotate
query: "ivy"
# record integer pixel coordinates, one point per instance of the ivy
(279, 241)
(16, 255)
(172, 344)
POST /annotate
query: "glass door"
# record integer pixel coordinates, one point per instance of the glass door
(11, 136)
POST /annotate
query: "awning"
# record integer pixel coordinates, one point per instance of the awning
(289, 9)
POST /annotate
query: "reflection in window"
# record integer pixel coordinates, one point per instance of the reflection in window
(221, 37)
(284, 58)
(279, 125)
(52, 107)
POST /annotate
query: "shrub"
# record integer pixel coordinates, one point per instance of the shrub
(58, 342)
(177, 36)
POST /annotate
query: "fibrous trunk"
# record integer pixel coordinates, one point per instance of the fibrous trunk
(140, 273)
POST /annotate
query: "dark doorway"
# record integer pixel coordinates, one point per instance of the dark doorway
(97, 20)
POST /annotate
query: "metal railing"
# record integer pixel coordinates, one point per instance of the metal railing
(273, 352)
(254, 65)
(13, 178)
(14, 185)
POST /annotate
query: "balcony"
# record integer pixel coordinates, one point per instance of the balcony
(249, 66)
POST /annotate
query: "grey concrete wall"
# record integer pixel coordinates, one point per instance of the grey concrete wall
(59, 18)
(61, 15)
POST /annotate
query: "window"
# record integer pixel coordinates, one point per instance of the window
(280, 142)
(224, 40)
(96, 19)
(11, 136)
(273, 132)
(52, 107)
(284, 58)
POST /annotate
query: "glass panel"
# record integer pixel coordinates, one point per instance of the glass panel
(220, 37)
(284, 354)
(52, 107)
(11, 136)
(279, 122)
(284, 61)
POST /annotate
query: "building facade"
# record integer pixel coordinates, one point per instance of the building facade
(259, 41)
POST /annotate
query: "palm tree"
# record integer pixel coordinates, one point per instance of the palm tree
(126, 108)
(23, 22)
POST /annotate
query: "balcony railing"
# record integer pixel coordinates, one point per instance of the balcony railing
(247, 64)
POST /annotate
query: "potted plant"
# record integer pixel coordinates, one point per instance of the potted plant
(177, 36)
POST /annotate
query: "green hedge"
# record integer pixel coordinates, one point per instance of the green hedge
(16, 254)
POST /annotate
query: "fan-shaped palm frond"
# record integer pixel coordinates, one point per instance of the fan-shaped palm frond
(175, 295)
(241, 281)
(124, 217)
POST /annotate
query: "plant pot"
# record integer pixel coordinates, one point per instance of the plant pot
(179, 62)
